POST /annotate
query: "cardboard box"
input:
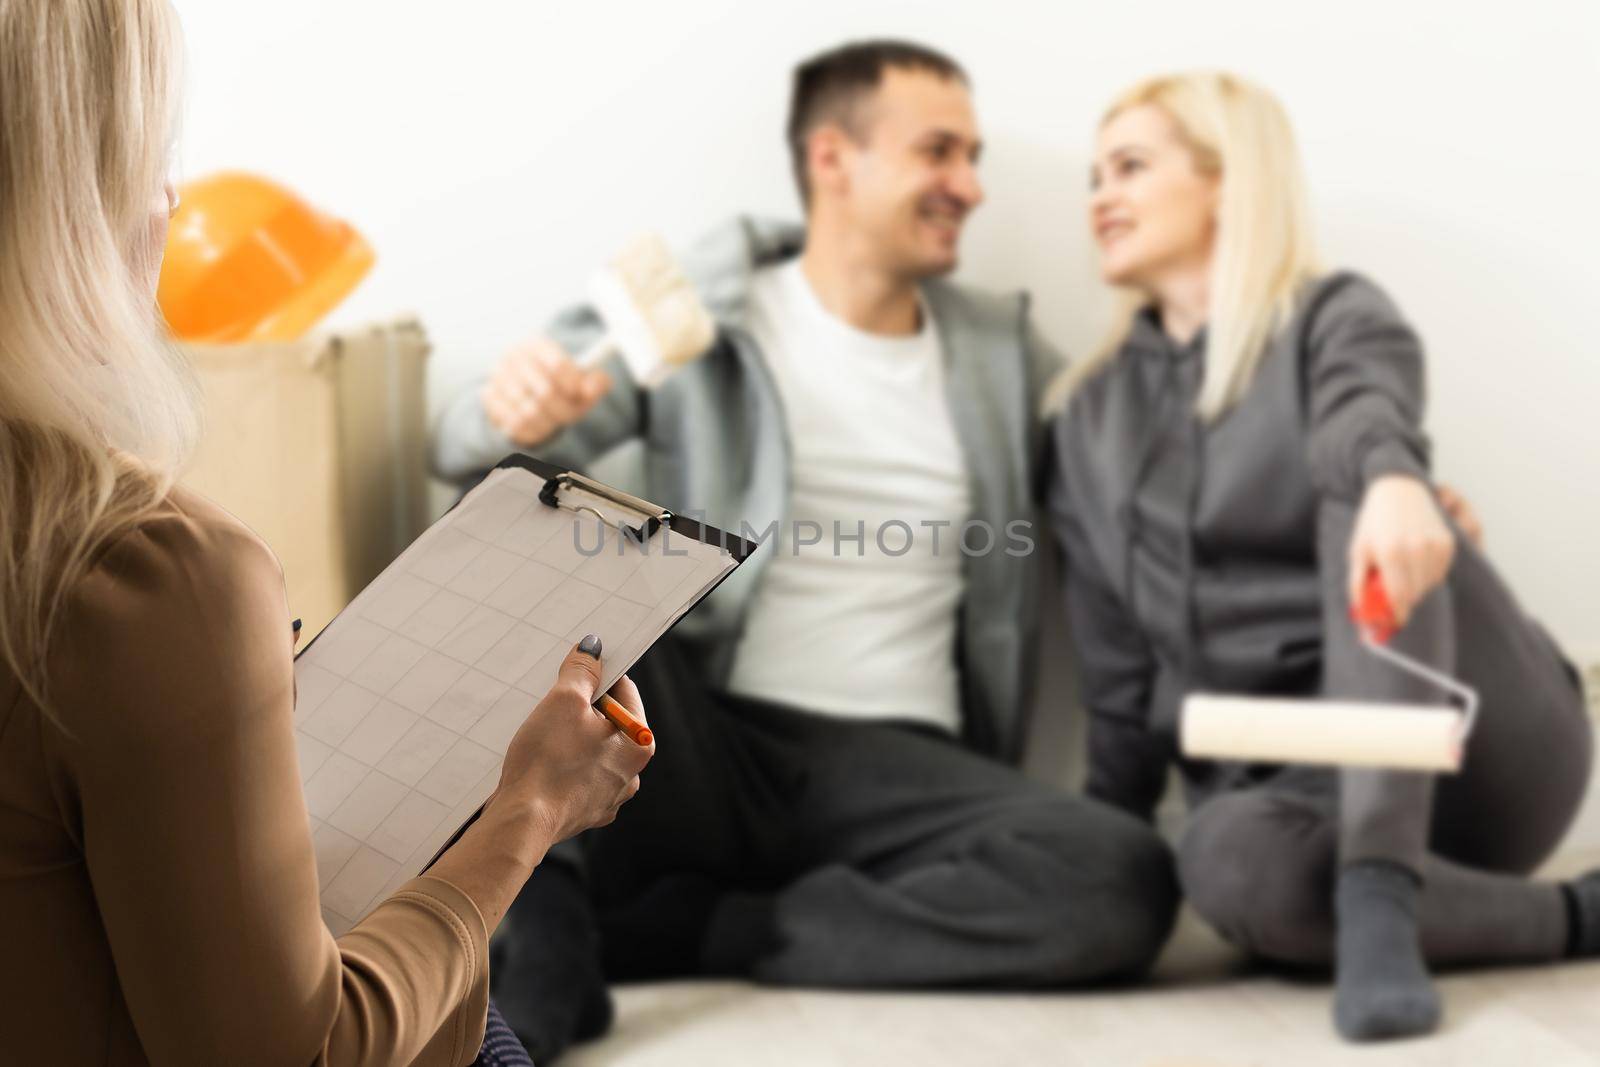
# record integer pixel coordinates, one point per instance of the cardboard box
(319, 445)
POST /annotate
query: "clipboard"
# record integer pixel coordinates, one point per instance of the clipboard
(407, 700)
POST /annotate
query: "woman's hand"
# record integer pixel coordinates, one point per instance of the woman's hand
(1400, 532)
(567, 767)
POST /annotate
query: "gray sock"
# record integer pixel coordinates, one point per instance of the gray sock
(1382, 989)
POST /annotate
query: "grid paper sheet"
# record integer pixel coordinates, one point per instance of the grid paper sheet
(408, 699)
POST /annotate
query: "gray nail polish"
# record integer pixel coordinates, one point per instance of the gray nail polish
(590, 646)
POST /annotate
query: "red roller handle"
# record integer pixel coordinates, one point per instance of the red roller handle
(1373, 612)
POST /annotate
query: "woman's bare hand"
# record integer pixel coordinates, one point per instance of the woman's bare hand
(1400, 532)
(567, 765)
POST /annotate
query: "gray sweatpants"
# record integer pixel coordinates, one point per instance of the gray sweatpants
(799, 849)
(1259, 863)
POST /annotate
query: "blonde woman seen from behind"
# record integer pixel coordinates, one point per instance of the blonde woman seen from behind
(1243, 451)
(157, 878)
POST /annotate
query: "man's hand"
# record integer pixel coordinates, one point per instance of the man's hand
(538, 390)
(1461, 512)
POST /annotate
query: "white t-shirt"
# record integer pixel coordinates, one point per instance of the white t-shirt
(861, 627)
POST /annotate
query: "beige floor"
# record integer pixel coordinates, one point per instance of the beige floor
(1195, 1016)
(1204, 1008)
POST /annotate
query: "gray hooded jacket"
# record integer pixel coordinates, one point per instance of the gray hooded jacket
(1191, 549)
(716, 443)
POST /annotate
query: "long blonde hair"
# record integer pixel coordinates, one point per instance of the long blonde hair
(1265, 250)
(98, 412)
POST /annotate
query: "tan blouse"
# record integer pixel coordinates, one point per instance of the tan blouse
(158, 891)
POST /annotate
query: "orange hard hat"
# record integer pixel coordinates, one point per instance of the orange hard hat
(248, 260)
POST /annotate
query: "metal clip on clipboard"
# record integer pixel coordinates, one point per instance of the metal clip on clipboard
(654, 516)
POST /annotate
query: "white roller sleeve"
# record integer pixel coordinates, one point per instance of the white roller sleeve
(1278, 730)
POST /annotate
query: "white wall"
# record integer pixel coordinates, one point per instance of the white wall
(493, 151)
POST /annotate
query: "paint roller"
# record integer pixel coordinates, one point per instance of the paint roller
(653, 316)
(1283, 730)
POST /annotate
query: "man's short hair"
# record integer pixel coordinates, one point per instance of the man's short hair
(830, 88)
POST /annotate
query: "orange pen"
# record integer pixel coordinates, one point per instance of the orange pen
(623, 720)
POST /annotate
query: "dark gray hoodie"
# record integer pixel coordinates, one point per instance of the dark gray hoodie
(1191, 548)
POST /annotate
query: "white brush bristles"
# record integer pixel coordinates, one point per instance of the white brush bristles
(651, 312)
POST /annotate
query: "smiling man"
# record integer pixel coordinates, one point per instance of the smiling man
(831, 802)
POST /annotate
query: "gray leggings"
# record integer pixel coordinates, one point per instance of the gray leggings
(1259, 863)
